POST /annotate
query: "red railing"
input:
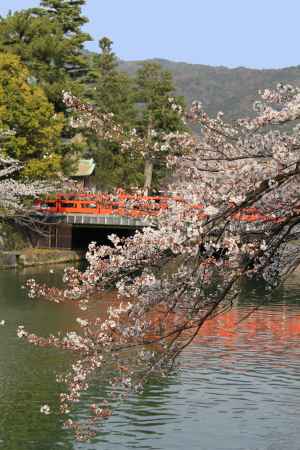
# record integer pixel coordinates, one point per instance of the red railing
(103, 204)
(129, 205)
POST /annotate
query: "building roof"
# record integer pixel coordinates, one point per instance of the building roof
(85, 168)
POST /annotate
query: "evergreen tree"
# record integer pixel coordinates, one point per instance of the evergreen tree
(49, 41)
(155, 87)
(68, 13)
(155, 93)
(112, 92)
(25, 109)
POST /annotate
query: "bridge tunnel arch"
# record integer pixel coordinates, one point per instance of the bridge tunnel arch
(82, 235)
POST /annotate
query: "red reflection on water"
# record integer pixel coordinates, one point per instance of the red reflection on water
(266, 329)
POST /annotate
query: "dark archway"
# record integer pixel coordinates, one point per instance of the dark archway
(83, 236)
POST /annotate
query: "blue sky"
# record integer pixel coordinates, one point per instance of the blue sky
(252, 33)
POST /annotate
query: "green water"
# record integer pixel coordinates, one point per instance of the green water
(236, 389)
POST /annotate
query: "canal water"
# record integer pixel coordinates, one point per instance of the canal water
(237, 388)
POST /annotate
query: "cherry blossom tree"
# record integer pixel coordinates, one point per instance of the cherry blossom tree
(13, 191)
(234, 215)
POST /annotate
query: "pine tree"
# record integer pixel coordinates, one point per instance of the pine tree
(154, 88)
(155, 91)
(68, 13)
(50, 42)
(112, 91)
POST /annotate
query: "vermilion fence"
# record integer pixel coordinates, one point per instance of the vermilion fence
(102, 204)
(129, 205)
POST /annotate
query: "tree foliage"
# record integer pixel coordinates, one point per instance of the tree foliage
(24, 108)
(68, 14)
(112, 92)
(158, 113)
(155, 87)
(13, 192)
(49, 41)
(145, 110)
(113, 89)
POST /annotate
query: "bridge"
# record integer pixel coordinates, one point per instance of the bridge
(73, 220)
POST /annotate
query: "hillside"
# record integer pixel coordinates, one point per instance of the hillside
(219, 88)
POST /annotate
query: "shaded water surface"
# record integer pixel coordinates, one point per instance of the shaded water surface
(238, 387)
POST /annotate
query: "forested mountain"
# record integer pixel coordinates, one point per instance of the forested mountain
(219, 88)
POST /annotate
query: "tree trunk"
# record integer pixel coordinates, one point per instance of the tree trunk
(148, 175)
(148, 171)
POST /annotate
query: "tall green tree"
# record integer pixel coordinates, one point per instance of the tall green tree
(50, 42)
(155, 94)
(25, 109)
(112, 91)
(68, 13)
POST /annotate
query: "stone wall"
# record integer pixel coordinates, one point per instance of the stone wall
(8, 260)
(37, 257)
(16, 251)
(11, 238)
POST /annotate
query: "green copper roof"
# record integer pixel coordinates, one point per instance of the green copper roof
(85, 168)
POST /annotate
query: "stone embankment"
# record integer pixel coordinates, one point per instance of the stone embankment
(16, 251)
(37, 257)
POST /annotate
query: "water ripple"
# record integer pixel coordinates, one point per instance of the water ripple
(238, 387)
